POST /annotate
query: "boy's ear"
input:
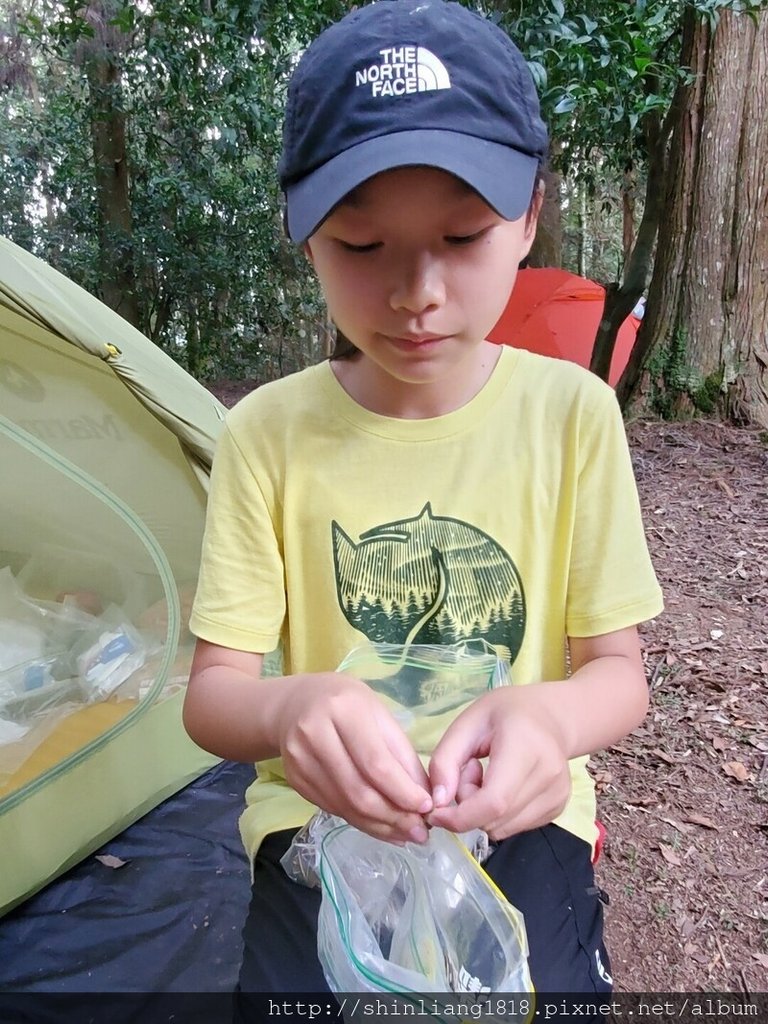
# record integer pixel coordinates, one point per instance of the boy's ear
(308, 252)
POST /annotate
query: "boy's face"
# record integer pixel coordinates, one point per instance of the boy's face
(416, 269)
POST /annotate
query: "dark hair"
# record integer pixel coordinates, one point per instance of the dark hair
(342, 346)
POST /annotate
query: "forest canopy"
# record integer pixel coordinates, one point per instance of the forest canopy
(139, 142)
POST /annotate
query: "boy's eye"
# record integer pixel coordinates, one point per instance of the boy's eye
(465, 239)
(349, 247)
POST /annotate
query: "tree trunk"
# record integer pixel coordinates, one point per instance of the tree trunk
(194, 350)
(581, 253)
(101, 59)
(707, 313)
(628, 212)
(621, 299)
(746, 278)
(547, 248)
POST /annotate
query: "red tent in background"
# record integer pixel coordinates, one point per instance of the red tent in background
(556, 313)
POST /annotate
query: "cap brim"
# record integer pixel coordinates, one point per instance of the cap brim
(503, 176)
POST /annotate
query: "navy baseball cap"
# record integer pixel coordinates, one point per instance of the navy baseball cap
(403, 83)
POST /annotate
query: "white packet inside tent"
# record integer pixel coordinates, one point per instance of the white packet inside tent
(10, 732)
(111, 658)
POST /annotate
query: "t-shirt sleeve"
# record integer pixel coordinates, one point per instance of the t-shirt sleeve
(240, 599)
(612, 584)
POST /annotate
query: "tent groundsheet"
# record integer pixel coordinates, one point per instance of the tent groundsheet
(145, 926)
(163, 916)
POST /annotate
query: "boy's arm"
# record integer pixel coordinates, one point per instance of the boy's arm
(341, 748)
(529, 733)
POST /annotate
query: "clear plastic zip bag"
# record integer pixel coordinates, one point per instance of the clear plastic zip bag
(301, 861)
(426, 686)
(415, 919)
(418, 921)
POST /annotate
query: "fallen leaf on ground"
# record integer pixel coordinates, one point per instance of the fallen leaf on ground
(736, 770)
(724, 487)
(699, 819)
(738, 872)
(663, 756)
(699, 956)
(669, 855)
(109, 861)
(675, 824)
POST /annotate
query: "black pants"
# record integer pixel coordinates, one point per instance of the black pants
(547, 874)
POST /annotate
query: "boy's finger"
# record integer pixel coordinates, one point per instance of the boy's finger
(456, 783)
(389, 763)
(471, 813)
(470, 780)
(496, 799)
(403, 750)
(349, 795)
(464, 741)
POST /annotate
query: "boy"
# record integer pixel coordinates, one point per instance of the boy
(424, 486)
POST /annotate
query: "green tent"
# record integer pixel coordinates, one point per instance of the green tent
(105, 448)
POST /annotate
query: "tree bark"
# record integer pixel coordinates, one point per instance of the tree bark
(746, 273)
(581, 250)
(547, 248)
(706, 322)
(193, 354)
(101, 59)
(628, 212)
(621, 299)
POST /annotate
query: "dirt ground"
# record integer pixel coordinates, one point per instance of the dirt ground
(684, 798)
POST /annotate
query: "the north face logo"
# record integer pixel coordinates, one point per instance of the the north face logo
(402, 70)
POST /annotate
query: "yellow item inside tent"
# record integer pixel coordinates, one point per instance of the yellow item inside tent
(105, 449)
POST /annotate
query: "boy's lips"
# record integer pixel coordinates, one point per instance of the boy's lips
(416, 340)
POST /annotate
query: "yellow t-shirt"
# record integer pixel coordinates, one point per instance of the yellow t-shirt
(514, 519)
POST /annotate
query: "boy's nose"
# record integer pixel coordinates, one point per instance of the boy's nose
(419, 286)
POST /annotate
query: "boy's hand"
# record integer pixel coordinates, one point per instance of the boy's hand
(527, 782)
(528, 733)
(343, 751)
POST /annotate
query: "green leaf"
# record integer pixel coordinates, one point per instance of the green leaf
(539, 73)
(565, 105)
(588, 23)
(125, 19)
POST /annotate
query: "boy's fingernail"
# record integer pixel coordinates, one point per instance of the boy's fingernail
(426, 806)
(439, 796)
(419, 834)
